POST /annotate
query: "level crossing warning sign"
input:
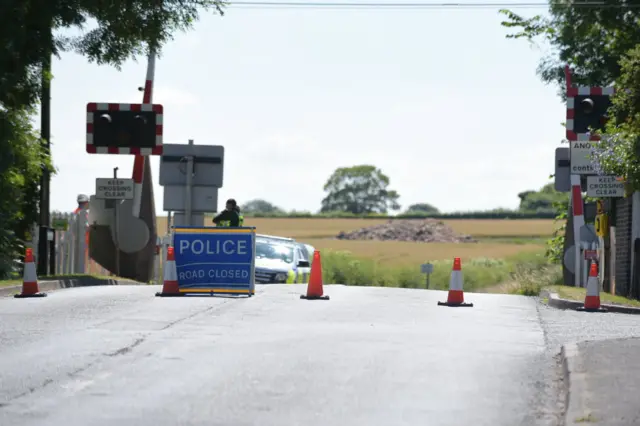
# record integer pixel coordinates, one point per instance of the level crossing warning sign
(114, 189)
(215, 260)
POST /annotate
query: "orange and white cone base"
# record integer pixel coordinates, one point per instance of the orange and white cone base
(314, 288)
(29, 278)
(592, 299)
(170, 287)
(456, 293)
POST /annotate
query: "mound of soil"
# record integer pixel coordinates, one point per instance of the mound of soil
(425, 231)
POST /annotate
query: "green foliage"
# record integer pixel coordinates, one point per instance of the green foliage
(341, 267)
(260, 207)
(545, 200)
(617, 152)
(555, 245)
(31, 32)
(359, 190)
(591, 39)
(531, 277)
(22, 161)
(601, 45)
(422, 208)
(549, 201)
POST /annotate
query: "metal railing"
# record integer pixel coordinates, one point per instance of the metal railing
(71, 238)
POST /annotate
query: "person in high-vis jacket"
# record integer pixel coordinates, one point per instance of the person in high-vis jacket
(83, 203)
(230, 216)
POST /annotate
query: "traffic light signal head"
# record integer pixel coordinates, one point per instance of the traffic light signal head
(124, 129)
(587, 112)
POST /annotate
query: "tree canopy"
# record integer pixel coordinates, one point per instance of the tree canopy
(260, 206)
(601, 43)
(422, 208)
(618, 153)
(542, 201)
(359, 189)
(590, 38)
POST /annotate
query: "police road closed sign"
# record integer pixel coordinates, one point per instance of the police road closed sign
(114, 189)
(604, 186)
(215, 260)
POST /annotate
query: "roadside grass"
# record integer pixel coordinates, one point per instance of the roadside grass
(480, 273)
(577, 293)
(412, 254)
(498, 239)
(508, 257)
(516, 239)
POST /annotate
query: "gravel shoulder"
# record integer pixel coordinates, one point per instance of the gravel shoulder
(604, 382)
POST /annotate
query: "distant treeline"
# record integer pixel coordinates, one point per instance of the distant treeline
(498, 214)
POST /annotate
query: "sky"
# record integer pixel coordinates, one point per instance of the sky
(439, 100)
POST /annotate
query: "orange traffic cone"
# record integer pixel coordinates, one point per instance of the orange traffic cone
(170, 287)
(314, 288)
(592, 299)
(29, 278)
(456, 294)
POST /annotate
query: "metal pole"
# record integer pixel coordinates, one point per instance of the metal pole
(45, 132)
(116, 207)
(187, 199)
(428, 279)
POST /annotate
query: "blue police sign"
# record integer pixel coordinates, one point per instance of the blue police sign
(215, 260)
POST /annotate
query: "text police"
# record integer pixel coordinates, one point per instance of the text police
(227, 247)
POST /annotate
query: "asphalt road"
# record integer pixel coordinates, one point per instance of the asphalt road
(607, 381)
(369, 356)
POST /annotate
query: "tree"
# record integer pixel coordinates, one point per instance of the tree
(541, 201)
(122, 31)
(359, 190)
(31, 32)
(618, 153)
(22, 160)
(590, 38)
(261, 207)
(422, 208)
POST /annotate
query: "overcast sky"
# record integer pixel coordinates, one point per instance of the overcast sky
(448, 108)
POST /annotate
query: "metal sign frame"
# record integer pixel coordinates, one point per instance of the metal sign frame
(93, 107)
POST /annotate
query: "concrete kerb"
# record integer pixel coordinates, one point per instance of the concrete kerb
(45, 286)
(556, 302)
(575, 385)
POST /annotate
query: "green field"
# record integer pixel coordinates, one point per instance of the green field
(498, 238)
(507, 253)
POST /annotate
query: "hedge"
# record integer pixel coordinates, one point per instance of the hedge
(455, 215)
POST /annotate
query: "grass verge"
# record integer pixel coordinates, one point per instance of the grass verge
(577, 293)
(528, 272)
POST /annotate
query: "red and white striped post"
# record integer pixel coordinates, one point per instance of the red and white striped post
(573, 134)
(138, 162)
(577, 210)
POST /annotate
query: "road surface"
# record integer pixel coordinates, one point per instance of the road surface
(369, 356)
(605, 382)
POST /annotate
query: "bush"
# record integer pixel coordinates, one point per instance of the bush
(341, 267)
